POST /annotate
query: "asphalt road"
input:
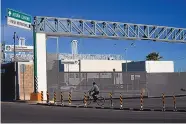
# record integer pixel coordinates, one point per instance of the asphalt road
(148, 103)
(25, 113)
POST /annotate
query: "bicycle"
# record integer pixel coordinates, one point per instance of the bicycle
(100, 100)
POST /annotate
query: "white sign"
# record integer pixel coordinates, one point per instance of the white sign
(18, 23)
(10, 56)
(69, 62)
(18, 48)
(132, 77)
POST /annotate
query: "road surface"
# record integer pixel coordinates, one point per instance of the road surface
(26, 113)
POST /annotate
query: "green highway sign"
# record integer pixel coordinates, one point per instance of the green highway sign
(19, 19)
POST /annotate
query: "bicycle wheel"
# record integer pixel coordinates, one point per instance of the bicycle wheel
(100, 101)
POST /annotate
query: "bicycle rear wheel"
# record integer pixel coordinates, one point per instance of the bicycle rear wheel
(100, 101)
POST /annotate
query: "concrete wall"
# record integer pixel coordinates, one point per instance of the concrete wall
(26, 80)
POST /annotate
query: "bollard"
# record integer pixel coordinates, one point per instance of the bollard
(69, 98)
(111, 103)
(141, 101)
(121, 101)
(48, 98)
(163, 100)
(62, 99)
(54, 97)
(174, 102)
(42, 96)
(85, 99)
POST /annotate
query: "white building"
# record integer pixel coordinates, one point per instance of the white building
(149, 66)
(93, 65)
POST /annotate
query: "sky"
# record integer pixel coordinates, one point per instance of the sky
(156, 12)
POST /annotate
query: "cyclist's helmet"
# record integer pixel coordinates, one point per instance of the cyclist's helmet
(94, 83)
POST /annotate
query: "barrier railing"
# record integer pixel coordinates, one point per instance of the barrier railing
(111, 104)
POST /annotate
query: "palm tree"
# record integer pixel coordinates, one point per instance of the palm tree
(153, 56)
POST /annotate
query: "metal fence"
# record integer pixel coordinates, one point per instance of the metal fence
(129, 84)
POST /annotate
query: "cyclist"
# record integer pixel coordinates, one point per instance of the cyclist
(95, 90)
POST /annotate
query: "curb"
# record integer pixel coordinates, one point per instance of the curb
(114, 108)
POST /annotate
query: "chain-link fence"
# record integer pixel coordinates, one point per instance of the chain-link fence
(129, 84)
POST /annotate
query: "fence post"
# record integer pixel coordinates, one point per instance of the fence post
(111, 102)
(163, 100)
(48, 98)
(69, 98)
(42, 96)
(62, 99)
(54, 97)
(141, 101)
(174, 101)
(85, 99)
(121, 101)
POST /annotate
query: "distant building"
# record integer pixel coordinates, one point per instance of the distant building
(149, 66)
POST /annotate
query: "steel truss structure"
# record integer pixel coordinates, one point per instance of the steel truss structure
(53, 26)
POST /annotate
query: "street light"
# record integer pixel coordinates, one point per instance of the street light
(131, 45)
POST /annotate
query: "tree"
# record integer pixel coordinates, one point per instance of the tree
(153, 56)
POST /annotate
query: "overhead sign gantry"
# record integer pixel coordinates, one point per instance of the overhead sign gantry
(53, 26)
(66, 27)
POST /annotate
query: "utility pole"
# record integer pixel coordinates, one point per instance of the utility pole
(15, 69)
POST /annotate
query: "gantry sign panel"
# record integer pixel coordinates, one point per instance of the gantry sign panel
(52, 26)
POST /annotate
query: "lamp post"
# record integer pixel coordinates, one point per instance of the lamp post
(15, 69)
(131, 45)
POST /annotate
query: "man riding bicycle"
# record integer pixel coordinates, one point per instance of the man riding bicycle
(95, 91)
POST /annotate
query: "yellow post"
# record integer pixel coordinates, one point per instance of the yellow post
(141, 101)
(163, 101)
(54, 97)
(85, 99)
(48, 98)
(62, 99)
(69, 98)
(174, 102)
(111, 104)
(42, 96)
(121, 101)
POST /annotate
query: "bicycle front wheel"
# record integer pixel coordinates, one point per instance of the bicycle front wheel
(100, 101)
